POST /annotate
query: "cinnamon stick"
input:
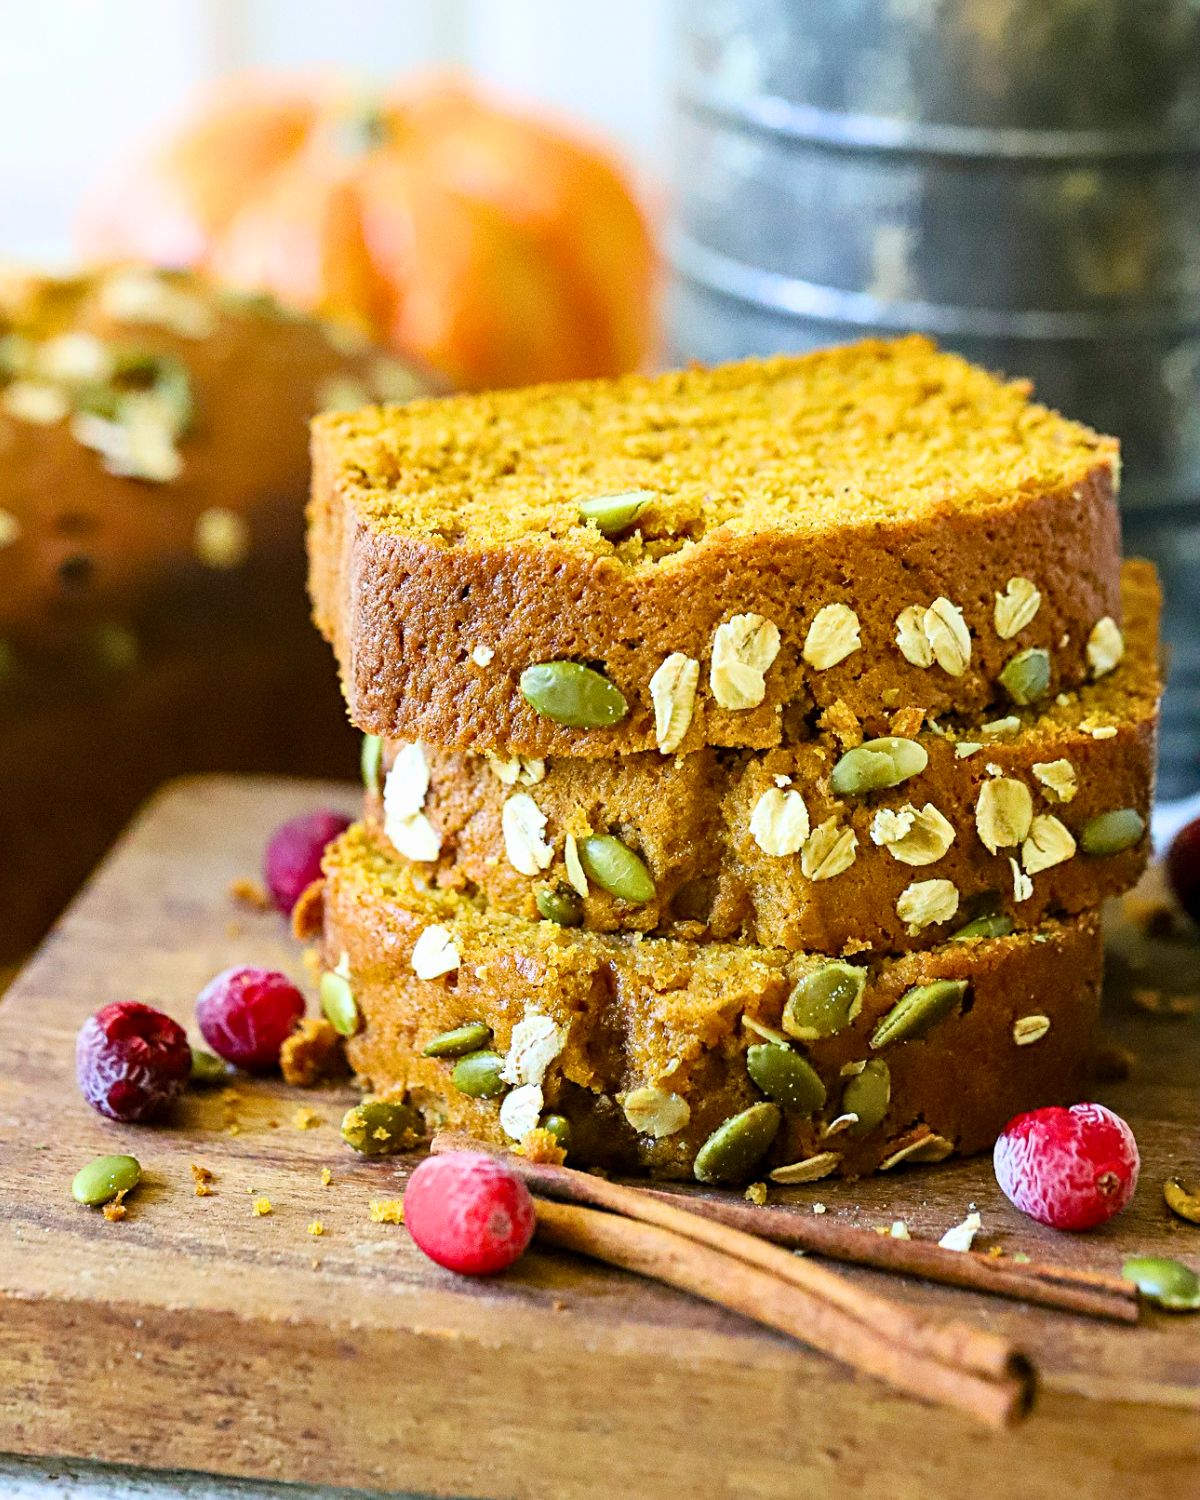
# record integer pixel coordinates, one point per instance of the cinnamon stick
(1058, 1287)
(768, 1290)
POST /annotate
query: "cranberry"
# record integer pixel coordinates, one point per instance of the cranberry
(246, 1015)
(1183, 868)
(292, 859)
(1069, 1168)
(131, 1061)
(469, 1212)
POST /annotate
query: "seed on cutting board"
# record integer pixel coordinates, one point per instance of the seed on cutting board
(1164, 1282)
(1112, 832)
(381, 1127)
(207, 1068)
(1026, 676)
(559, 1127)
(102, 1179)
(338, 1004)
(572, 694)
(562, 905)
(824, 1001)
(917, 1010)
(994, 924)
(1183, 1198)
(479, 1075)
(734, 1149)
(616, 868)
(867, 1095)
(876, 765)
(613, 514)
(786, 1077)
(470, 1037)
(371, 760)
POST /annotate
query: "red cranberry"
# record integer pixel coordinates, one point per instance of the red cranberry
(131, 1061)
(292, 859)
(1183, 868)
(1069, 1168)
(246, 1015)
(469, 1212)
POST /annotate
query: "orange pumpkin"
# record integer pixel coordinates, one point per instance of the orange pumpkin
(492, 247)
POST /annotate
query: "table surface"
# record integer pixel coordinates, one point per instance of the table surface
(196, 1336)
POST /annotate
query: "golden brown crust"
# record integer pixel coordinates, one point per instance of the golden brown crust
(689, 817)
(407, 588)
(667, 1014)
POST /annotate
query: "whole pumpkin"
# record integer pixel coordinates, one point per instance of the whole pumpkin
(490, 246)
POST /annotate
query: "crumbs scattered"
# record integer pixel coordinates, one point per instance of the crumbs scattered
(1155, 1003)
(316, 1228)
(756, 1193)
(542, 1147)
(250, 893)
(262, 1206)
(314, 1051)
(203, 1179)
(962, 1236)
(115, 1210)
(306, 1119)
(326, 1177)
(386, 1210)
(819, 1208)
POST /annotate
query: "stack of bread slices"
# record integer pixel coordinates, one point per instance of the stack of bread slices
(749, 752)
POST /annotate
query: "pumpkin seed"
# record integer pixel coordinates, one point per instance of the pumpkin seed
(734, 1149)
(1165, 1282)
(478, 1074)
(613, 514)
(1026, 676)
(786, 1077)
(1112, 832)
(562, 905)
(917, 1010)
(572, 694)
(102, 1179)
(868, 1095)
(338, 1004)
(824, 1001)
(616, 868)
(993, 924)
(458, 1042)
(877, 764)
(381, 1127)
(1183, 1198)
(559, 1127)
(371, 761)
(207, 1068)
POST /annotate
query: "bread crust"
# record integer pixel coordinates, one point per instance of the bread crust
(670, 1014)
(405, 607)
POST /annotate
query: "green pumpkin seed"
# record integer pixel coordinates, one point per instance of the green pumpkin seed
(1026, 676)
(616, 868)
(917, 1010)
(877, 764)
(101, 1180)
(1167, 1283)
(559, 1127)
(338, 1004)
(786, 1077)
(824, 1001)
(371, 760)
(381, 1127)
(734, 1149)
(993, 924)
(478, 1074)
(457, 1043)
(562, 905)
(207, 1068)
(139, 373)
(613, 514)
(1112, 832)
(572, 694)
(868, 1095)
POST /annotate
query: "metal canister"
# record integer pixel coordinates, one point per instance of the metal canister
(1019, 178)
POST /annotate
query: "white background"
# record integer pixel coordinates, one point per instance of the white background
(79, 78)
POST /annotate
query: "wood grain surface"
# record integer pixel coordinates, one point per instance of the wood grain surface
(195, 1334)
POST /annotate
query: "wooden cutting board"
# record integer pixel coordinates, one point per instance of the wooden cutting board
(195, 1334)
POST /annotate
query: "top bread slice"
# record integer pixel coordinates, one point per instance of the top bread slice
(882, 525)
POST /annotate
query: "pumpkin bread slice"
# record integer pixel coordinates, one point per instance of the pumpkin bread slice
(706, 557)
(646, 1047)
(1037, 813)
